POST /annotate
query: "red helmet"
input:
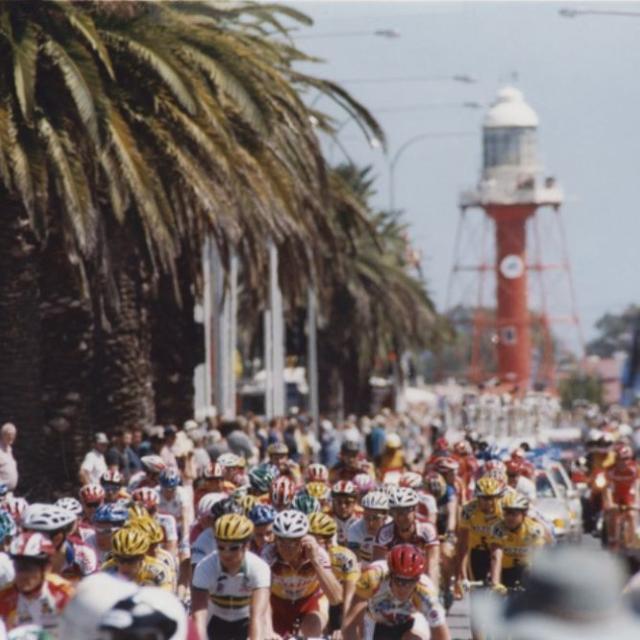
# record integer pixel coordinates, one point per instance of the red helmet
(623, 451)
(444, 465)
(406, 561)
(344, 488)
(213, 471)
(411, 479)
(147, 497)
(441, 444)
(111, 476)
(91, 493)
(317, 473)
(283, 489)
(494, 465)
(463, 448)
(32, 544)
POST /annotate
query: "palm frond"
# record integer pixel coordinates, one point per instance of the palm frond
(24, 70)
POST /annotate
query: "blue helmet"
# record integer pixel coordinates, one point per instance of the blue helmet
(4, 489)
(262, 514)
(169, 478)
(111, 513)
(8, 528)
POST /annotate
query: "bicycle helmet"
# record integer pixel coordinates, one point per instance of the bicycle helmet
(317, 472)
(344, 488)
(393, 441)
(260, 479)
(46, 517)
(230, 460)
(350, 446)
(515, 502)
(441, 444)
(305, 503)
(403, 497)
(291, 524)
(226, 506)
(129, 542)
(149, 498)
(15, 507)
(488, 487)
(282, 491)
(322, 524)
(136, 510)
(406, 561)
(91, 493)
(111, 477)
(31, 544)
(494, 465)
(319, 491)
(411, 479)
(150, 527)
(213, 471)
(233, 528)
(262, 514)
(169, 478)
(247, 502)
(149, 613)
(278, 448)
(363, 483)
(8, 527)
(153, 463)
(112, 513)
(377, 500)
(463, 448)
(207, 501)
(435, 483)
(70, 504)
(445, 465)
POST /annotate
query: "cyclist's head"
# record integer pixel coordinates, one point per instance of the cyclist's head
(488, 490)
(31, 553)
(129, 546)
(406, 564)
(514, 507)
(233, 533)
(344, 496)
(262, 516)
(403, 503)
(289, 527)
(50, 520)
(323, 527)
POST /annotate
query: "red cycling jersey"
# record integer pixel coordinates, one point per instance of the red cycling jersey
(622, 478)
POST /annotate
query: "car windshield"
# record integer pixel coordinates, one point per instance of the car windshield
(544, 487)
(558, 477)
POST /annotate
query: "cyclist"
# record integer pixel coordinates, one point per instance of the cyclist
(395, 600)
(173, 502)
(405, 528)
(260, 479)
(361, 534)
(302, 583)
(204, 519)
(392, 461)
(112, 482)
(155, 533)
(91, 497)
(344, 564)
(344, 507)
(107, 519)
(153, 465)
(463, 454)
(206, 542)
(350, 464)
(149, 498)
(129, 560)
(78, 530)
(36, 596)
(317, 472)
(283, 490)
(211, 481)
(233, 585)
(8, 531)
(262, 516)
(278, 454)
(513, 538)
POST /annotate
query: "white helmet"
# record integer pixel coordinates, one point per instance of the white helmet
(153, 463)
(207, 501)
(149, 610)
(291, 524)
(70, 504)
(46, 517)
(229, 460)
(376, 500)
(403, 497)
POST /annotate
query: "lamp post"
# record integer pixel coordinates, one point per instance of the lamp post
(460, 77)
(385, 32)
(429, 135)
(574, 13)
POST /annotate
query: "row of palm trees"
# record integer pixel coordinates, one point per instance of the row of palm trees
(130, 132)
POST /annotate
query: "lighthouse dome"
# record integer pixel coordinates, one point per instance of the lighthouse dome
(510, 110)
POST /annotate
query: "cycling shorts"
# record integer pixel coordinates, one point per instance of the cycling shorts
(219, 629)
(512, 577)
(288, 613)
(480, 563)
(624, 496)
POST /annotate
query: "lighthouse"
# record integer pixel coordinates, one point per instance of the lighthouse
(510, 191)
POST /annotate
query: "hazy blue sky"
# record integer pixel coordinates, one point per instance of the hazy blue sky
(581, 75)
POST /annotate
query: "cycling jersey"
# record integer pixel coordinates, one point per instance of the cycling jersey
(343, 525)
(230, 595)
(168, 523)
(344, 564)
(622, 479)
(140, 480)
(384, 608)
(80, 559)
(153, 573)
(169, 562)
(424, 536)
(174, 506)
(341, 471)
(43, 608)
(478, 523)
(427, 506)
(204, 545)
(360, 541)
(443, 503)
(291, 583)
(517, 545)
(7, 572)
(86, 533)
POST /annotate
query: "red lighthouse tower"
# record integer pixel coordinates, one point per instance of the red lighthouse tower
(510, 191)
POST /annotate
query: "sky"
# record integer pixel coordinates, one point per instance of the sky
(582, 77)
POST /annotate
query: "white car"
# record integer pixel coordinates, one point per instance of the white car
(553, 505)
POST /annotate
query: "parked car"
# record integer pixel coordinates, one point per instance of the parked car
(554, 504)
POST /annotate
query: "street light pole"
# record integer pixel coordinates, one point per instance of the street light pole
(380, 33)
(393, 162)
(573, 13)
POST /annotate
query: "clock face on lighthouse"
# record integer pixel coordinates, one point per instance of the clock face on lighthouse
(511, 266)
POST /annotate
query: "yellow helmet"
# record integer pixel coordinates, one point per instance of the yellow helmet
(318, 490)
(129, 541)
(233, 528)
(322, 524)
(149, 526)
(488, 487)
(136, 510)
(247, 503)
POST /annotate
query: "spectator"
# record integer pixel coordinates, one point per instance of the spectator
(121, 456)
(94, 463)
(376, 439)
(237, 440)
(8, 465)
(166, 453)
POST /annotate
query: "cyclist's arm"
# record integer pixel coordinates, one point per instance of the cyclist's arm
(349, 588)
(440, 633)
(433, 563)
(199, 603)
(463, 548)
(353, 617)
(259, 613)
(496, 564)
(328, 582)
(452, 513)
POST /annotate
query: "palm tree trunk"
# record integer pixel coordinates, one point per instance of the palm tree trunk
(124, 382)
(67, 353)
(20, 372)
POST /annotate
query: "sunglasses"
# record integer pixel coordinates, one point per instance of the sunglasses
(128, 559)
(374, 516)
(400, 510)
(405, 582)
(512, 512)
(230, 547)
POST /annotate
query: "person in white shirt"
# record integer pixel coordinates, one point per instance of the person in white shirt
(94, 464)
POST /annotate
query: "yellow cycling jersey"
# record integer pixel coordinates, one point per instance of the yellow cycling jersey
(479, 524)
(153, 573)
(344, 564)
(169, 562)
(517, 545)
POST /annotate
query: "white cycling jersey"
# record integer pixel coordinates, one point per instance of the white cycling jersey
(204, 545)
(360, 541)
